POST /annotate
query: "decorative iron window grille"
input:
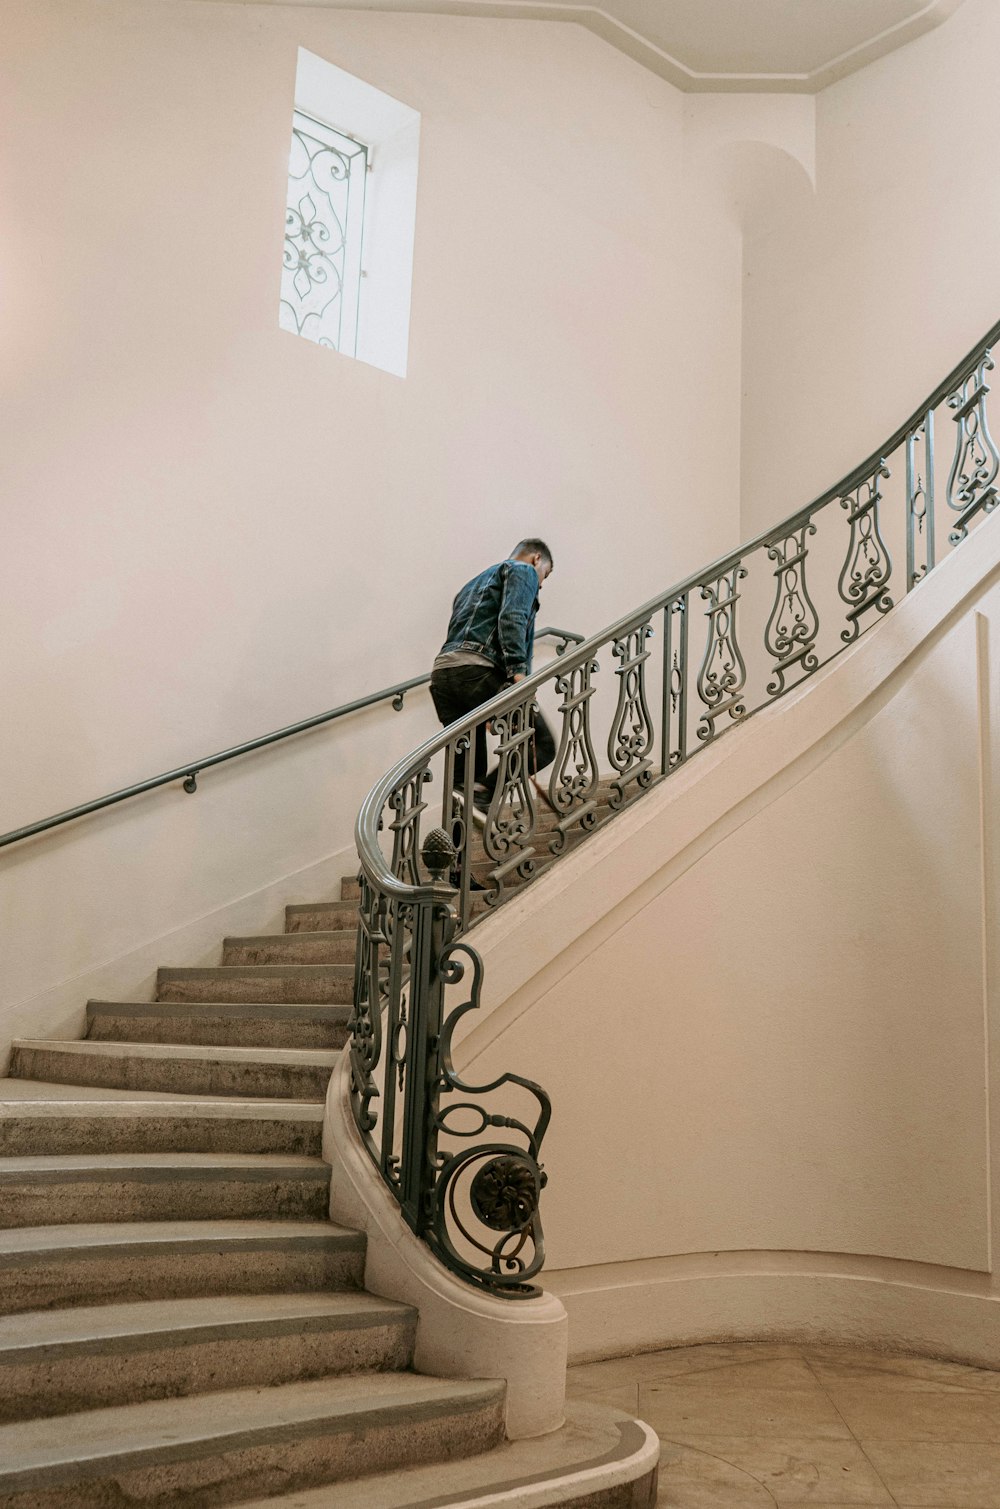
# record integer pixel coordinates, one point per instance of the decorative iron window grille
(324, 226)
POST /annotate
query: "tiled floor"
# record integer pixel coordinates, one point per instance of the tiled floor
(753, 1427)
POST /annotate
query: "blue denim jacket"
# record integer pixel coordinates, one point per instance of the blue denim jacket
(494, 616)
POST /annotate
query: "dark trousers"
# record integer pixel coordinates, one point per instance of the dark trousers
(460, 689)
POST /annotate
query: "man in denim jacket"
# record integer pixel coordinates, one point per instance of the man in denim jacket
(489, 645)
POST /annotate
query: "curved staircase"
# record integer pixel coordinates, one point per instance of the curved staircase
(180, 1323)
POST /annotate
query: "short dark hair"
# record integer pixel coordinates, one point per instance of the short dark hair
(533, 547)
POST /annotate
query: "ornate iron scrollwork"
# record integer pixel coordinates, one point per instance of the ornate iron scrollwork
(510, 822)
(483, 1217)
(406, 801)
(365, 1024)
(723, 674)
(323, 231)
(461, 1160)
(675, 680)
(864, 579)
(790, 635)
(920, 501)
(630, 741)
(971, 488)
(574, 779)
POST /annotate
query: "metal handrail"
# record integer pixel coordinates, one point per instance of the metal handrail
(190, 772)
(367, 826)
(416, 906)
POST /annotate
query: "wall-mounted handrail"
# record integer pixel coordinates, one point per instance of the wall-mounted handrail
(190, 772)
(472, 1195)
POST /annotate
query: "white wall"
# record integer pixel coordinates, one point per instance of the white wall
(766, 1005)
(212, 528)
(859, 299)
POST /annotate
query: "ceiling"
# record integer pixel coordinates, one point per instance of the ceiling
(796, 46)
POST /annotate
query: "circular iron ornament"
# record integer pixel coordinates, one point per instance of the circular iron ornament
(504, 1193)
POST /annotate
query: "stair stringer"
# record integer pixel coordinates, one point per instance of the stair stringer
(924, 1283)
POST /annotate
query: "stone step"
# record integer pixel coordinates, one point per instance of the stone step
(320, 984)
(58, 1362)
(329, 947)
(177, 1068)
(160, 1187)
(600, 1459)
(321, 916)
(240, 1024)
(179, 1454)
(47, 1127)
(44, 1267)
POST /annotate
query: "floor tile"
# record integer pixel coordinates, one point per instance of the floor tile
(617, 1370)
(715, 1354)
(624, 1396)
(925, 1475)
(746, 1372)
(792, 1471)
(692, 1479)
(876, 1413)
(914, 1374)
(680, 1412)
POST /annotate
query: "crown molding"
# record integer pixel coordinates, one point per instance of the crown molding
(648, 53)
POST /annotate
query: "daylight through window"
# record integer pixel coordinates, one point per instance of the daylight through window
(324, 232)
(350, 213)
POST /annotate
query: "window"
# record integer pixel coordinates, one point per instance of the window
(324, 225)
(350, 215)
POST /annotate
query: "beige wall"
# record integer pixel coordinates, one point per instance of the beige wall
(212, 528)
(767, 1011)
(860, 297)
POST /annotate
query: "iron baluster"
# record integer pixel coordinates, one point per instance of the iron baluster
(457, 820)
(723, 674)
(974, 469)
(630, 741)
(574, 779)
(395, 994)
(920, 501)
(365, 1025)
(675, 672)
(510, 822)
(864, 579)
(790, 635)
(406, 801)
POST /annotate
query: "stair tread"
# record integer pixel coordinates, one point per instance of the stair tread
(325, 935)
(99, 1327)
(185, 1235)
(598, 1447)
(189, 1108)
(264, 1164)
(18, 1092)
(182, 1427)
(112, 1049)
(258, 971)
(220, 1008)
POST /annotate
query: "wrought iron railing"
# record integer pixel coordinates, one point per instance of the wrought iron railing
(463, 1161)
(188, 774)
